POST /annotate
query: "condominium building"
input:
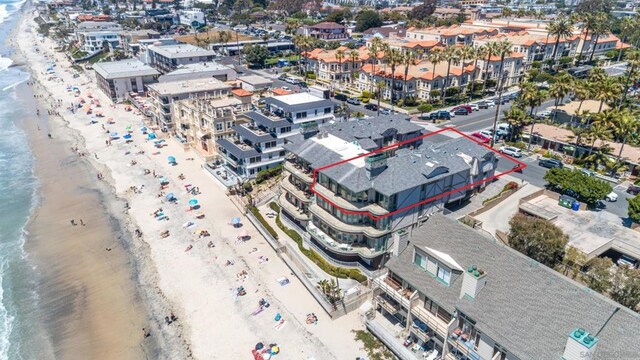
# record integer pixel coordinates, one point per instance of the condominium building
(360, 207)
(118, 78)
(163, 96)
(201, 122)
(258, 145)
(466, 296)
(327, 31)
(330, 67)
(194, 18)
(93, 41)
(201, 71)
(167, 58)
(450, 35)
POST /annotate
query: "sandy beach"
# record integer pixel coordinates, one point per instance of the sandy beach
(178, 273)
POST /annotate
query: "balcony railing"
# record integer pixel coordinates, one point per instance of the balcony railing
(392, 291)
(297, 213)
(348, 205)
(295, 191)
(338, 247)
(298, 171)
(433, 322)
(338, 225)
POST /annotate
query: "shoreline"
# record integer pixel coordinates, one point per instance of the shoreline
(181, 273)
(93, 302)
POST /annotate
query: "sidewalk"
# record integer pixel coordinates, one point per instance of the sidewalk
(498, 217)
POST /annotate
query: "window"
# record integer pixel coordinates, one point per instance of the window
(444, 275)
(219, 126)
(420, 260)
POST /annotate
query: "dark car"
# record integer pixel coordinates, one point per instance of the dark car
(633, 189)
(461, 111)
(440, 115)
(303, 84)
(341, 97)
(466, 107)
(550, 163)
(372, 107)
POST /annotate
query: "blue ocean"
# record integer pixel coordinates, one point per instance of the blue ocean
(20, 334)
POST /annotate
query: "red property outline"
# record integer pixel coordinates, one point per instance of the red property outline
(519, 166)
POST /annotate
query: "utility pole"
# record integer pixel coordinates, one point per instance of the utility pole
(503, 76)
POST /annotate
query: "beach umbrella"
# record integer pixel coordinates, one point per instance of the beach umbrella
(171, 159)
(151, 136)
(169, 196)
(114, 134)
(244, 234)
(259, 346)
(128, 128)
(235, 220)
(163, 179)
(144, 129)
(193, 202)
(127, 136)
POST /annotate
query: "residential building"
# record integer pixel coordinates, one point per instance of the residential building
(140, 47)
(88, 26)
(452, 35)
(167, 58)
(420, 48)
(119, 78)
(327, 31)
(362, 199)
(201, 122)
(467, 296)
(163, 96)
(94, 41)
(194, 18)
(204, 70)
(387, 31)
(255, 83)
(337, 72)
(258, 145)
(513, 69)
(421, 81)
(129, 40)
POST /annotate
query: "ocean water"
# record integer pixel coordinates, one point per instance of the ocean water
(19, 328)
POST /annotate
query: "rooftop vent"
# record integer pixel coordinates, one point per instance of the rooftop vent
(474, 280)
(580, 345)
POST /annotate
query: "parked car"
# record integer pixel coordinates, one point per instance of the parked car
(372, 107)
(543, 114)
(341, 97)
(489, 134)
(353, 101)
(611, 197)
(461, 111)
(550, 163)
(440, 115)
(503, 129)
(483, 105)
(466, 107)
(491, 103)
(480, 137)
(511, 151)
(628, 261)
(633, 189)
(385, 111)
(286, 88)
(474, 107)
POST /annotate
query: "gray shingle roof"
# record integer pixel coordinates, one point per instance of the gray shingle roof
(371, 128)
(301, 101)
(525, 306)
(235, 150)
(251, 135)
(265, 120)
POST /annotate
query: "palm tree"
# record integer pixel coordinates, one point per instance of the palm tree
(224, 37)
(587, 24)
(408, 59)
(579, 132)
(502, 49)
(466, 53)
(517, 118)
(582, 91)
(302, 43)
(354, 57)
(340, 55)
(562, 86)
(530, 95)
(479, 53)
(374, 49)
(600, 157)
(628, 27)
(393, 59)
(491, 48)
(292, 26)
(450, 54)
(380, 86)
(626, 125)
(600, 129)
(607, 91)
(561, 28)
(435, 57)
(633, 58)
(601, 26)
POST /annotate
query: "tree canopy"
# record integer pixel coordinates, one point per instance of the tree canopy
(594, 6)
(587, 188)
(255, 55)
(338, 16)
(625, 286)
(598, 275)
(367, 19)
(423, 11)
(538, 239)
(634, 209)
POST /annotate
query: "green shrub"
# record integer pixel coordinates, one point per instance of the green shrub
(323, 264)
(268, 173)
(365, 100)
(311, 76)
(256, 213)
(366, 94)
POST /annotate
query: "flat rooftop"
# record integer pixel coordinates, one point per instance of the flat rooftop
(180, 51)
(198, 67)
(345, 149)
(123, 69)
(299, 98)
(189, 86)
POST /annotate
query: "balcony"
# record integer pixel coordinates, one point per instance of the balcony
(374, 209)
(393, 289)
(463, 348)
(433, 322)
(292, 210)
(298, 171)
(341, 248)
(387, 305)
(337, 224)
(293, 190)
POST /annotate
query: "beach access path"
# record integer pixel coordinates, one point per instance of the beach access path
(218, 325)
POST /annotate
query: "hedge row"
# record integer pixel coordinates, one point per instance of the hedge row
(343, 273)
(264, 222)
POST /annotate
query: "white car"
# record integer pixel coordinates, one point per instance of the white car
(611, 197)
(544, 114)
(474, 107)
(511, 151)
(490, 103)
(286, 88)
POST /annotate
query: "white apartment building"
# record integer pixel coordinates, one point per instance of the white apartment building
(118, 78)
(194, 18)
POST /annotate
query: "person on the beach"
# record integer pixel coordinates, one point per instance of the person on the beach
(73, 222)
(81, 222)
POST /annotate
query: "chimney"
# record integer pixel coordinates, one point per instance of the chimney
(580, 345)
(375, 164)
(473, 281)
(400, 240)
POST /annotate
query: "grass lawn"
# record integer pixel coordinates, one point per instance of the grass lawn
(211, 36)
(274, 60)
(98, 57)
